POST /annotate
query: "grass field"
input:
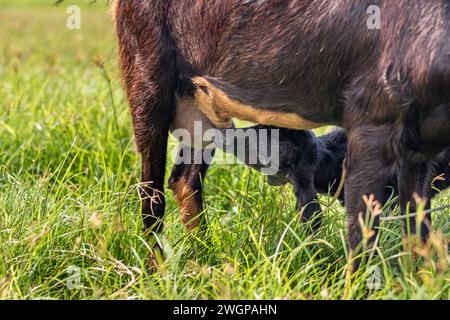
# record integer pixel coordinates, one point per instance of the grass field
(69, 206)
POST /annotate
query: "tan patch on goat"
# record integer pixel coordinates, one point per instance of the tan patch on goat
(189, 206)
(220, 109)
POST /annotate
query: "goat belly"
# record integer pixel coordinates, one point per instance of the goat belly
(219, 108)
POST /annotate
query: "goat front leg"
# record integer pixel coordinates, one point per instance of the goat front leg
(365, 187)
(414, 185)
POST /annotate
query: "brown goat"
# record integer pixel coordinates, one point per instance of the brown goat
(297, 64)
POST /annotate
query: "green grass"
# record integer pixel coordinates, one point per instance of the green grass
(68, 176)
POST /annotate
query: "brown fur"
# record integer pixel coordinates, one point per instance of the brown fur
(317, 60)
